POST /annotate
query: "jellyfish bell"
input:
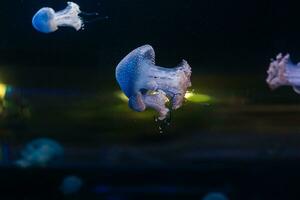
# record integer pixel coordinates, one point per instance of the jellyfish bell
(46, 20)
(40, 152)
(71, 185)
(138, 72)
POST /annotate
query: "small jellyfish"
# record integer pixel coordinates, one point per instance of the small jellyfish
(215, 196)
(71, 185)
(282, 72)
(46, 20)
(40, 153)
(149, 85)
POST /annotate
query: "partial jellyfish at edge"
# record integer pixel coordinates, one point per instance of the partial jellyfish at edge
(46, 20)
(71, 185)
(282, 72)
(40, 153)
(149, 85)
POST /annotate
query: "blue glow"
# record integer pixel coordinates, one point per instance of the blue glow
(40, 153)
(71, 185)
(215, 196)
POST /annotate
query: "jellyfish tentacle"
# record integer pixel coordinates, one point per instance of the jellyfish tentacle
(152, 85)
(100, 18)
(174, 81)
(177, 101)
(157, 100)
(69, 17)
(136, 102)
(89, 13)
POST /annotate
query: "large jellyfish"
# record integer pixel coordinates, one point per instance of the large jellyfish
(46, 20)
(282, 72)
(39, 153)
(149, 85)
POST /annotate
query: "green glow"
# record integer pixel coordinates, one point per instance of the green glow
(3, 89)
(122, 96)
(197, 97)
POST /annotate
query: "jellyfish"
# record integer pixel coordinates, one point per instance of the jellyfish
(149, 85)
(71, 185)
(46, 20)
(282, 72)
(215, 196)
(40, 153)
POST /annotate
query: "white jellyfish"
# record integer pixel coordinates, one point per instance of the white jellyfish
(282, 72)
(149, 85)
(46, 20)
(39, 153)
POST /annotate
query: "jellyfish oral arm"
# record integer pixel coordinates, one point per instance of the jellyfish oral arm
(155, 100)
(173, 81)
(69, 17)
(136, 102)
(282, 72)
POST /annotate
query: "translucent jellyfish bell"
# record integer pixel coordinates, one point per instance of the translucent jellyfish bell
(40, 152)
(46, 20)
(71, 185)
(149, 85)
(282, 72)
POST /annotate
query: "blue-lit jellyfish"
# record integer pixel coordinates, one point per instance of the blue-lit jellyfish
(46, 20)
(148, 85)
(215, 196)
(40, 153)
(282, 72)
(71, 185)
